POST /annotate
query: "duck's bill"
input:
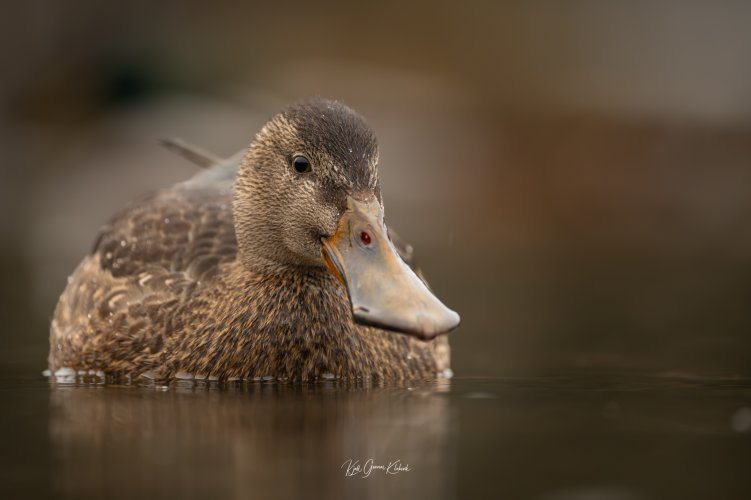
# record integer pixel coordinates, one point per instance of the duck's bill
(383, 289)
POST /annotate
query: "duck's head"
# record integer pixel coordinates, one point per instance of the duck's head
(307, 195)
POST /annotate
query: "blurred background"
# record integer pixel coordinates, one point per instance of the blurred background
(575, 178)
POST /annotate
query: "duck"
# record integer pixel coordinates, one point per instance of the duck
(276, 264)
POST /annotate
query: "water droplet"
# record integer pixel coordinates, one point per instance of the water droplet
(166, 220)
(122, 243)
(65, 375)
(108, 255)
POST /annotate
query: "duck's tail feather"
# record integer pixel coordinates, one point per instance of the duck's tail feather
(190, 152)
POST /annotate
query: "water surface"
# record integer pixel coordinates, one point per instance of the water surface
(582, 437)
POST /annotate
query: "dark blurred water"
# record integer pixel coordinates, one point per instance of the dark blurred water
(582, 437)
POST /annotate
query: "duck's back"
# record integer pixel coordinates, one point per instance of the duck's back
(147, 260)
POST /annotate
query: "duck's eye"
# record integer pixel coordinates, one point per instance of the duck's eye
(301, 164)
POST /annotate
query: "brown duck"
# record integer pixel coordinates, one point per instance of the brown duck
(277, 265)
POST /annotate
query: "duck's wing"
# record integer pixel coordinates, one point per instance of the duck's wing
(115, 313)
(182, 233)
(180, 230)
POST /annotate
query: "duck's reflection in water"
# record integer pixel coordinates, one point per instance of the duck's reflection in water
(252, 441)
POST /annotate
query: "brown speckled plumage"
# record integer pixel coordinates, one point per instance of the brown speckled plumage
(168, 289)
